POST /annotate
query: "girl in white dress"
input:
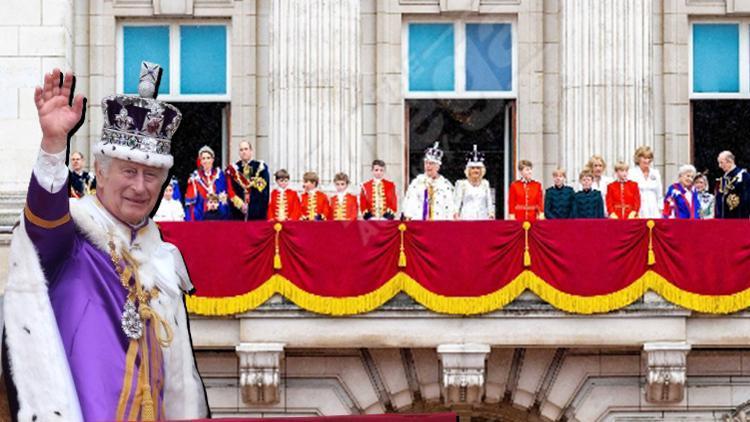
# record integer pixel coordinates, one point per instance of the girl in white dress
(170, 209)
(649, 183)
(473, 196)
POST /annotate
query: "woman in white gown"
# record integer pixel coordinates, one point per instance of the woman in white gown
(473, 196)
(649, 183)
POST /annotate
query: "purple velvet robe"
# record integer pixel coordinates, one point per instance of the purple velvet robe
(87, 299)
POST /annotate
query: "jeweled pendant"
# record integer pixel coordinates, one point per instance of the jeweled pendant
(131, 322)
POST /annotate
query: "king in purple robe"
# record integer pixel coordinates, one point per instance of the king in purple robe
(95, 320)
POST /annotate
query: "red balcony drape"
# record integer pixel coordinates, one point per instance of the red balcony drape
(579, 266)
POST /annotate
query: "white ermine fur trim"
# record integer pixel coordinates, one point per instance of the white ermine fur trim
(35, 351)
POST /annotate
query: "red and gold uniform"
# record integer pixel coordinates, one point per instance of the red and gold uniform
(526, 200)
(315, 206)
(344, 207)
(378, 200)
(623, 199)
(284, 205)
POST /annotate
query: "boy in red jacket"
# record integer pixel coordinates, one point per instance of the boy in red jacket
(623, 196)
(315, 205)
(343, 203)
(284, 204)
(525, 196)
(377, 198)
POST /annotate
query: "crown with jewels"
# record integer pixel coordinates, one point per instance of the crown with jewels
(139, 128)
(434, 154)
(475, 158)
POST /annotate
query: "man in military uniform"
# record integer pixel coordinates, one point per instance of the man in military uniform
(733, 190)
(81, 181)
(249, 191)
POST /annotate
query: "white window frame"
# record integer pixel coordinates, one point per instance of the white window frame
(174, 59)
(744, 58)
(459, 57)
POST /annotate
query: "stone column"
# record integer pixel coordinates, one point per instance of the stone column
(676, 87)
(607, 105)
(81, 67)
(102, 66)
(245, 58)
(530, 74)
(391, 144)
(315, 89)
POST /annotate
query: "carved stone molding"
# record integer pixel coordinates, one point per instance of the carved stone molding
(666, 371)
(173, 7)
(738, 6)
(260, 375)
(459, 6)
(463, 377)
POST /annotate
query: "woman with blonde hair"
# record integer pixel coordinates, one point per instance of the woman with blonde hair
(649, 182)
(598, 167)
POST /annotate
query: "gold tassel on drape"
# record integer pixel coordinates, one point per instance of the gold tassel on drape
(276, 255)
(401, 253)
(526, 254)
(651, 256)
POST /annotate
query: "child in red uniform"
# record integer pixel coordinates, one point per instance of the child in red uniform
(315, 205)
(525, 197)
(343, 203)
(623, 195)
(284, 204)
(377, 199)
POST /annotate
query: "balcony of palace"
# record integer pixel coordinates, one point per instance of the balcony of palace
(581, 321)
(574, 321)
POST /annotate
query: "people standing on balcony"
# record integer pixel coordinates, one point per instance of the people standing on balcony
(284, 203)
(705, 198)
(249, 186)
(587, 202)
(473, 196)
(598, 168)
(377, 198)
(81, 182)
(623, 195)
(170, 208)
(681, 200)
(343, 204)
(315, 205)
(649, 183)
(206, 179)
(733, 192)
(558, 198)
(525, 196)
(430, 195)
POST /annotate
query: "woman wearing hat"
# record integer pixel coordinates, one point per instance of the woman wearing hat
(473, 196)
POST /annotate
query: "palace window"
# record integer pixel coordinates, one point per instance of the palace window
(720, 60)
(194, 58)
(459, 59)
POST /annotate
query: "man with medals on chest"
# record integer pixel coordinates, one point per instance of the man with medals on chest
(733, 190)
(81, 181)
(430, 195)
(249, 190)
(95, 322)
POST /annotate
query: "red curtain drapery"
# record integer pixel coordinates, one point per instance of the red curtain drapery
(578, 266)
